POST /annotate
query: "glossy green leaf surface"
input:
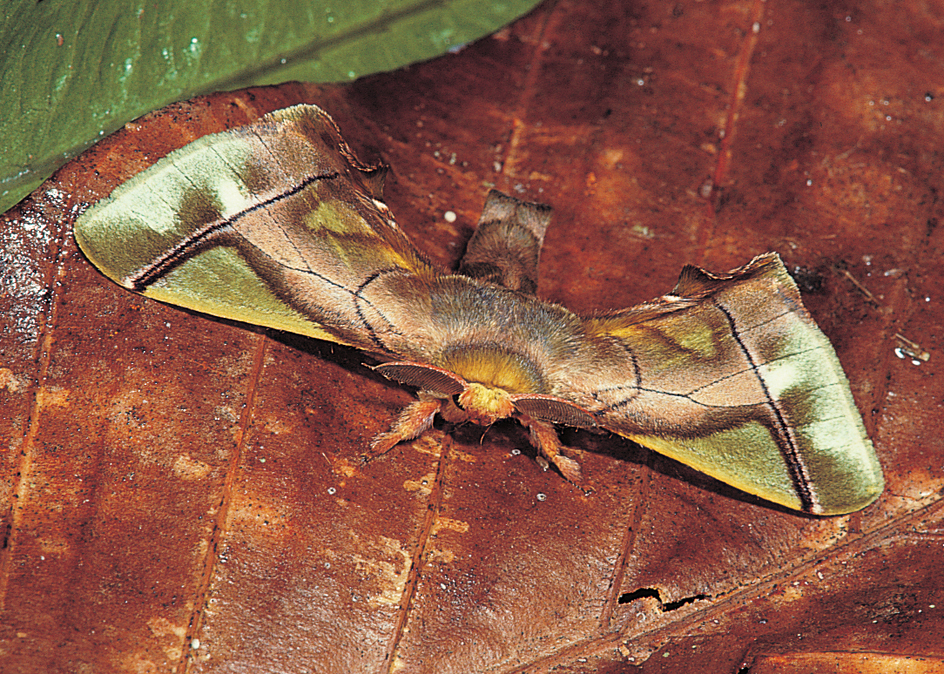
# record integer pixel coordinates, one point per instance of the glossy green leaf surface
(73, 72)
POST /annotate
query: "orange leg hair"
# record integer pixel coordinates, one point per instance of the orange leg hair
(414, 420)
(544, 438)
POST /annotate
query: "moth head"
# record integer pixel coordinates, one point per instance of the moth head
(486, 405)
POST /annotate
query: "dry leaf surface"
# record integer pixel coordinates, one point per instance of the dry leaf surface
(184, 494)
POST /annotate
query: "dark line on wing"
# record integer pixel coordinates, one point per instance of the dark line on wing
(609, 407)
(358, 298)
(637, 373)
(622, 403)
(790, 453)
(768, 321)
(149, 273)
(748, 369)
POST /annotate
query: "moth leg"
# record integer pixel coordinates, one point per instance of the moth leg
(544, 438)
(452, 413)
(414, 420)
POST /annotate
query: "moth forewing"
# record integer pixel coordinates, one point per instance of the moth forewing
(740, 383)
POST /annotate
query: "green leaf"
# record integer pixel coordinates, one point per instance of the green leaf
(73, 72)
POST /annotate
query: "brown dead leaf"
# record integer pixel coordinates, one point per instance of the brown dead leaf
(182, 494)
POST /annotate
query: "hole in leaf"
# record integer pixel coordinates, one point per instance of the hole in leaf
(672, 605)
(653, 593)
(641, 593)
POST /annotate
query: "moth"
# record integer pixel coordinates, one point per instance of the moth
(277, 223)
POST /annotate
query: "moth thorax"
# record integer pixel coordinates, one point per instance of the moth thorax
(486, 405)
